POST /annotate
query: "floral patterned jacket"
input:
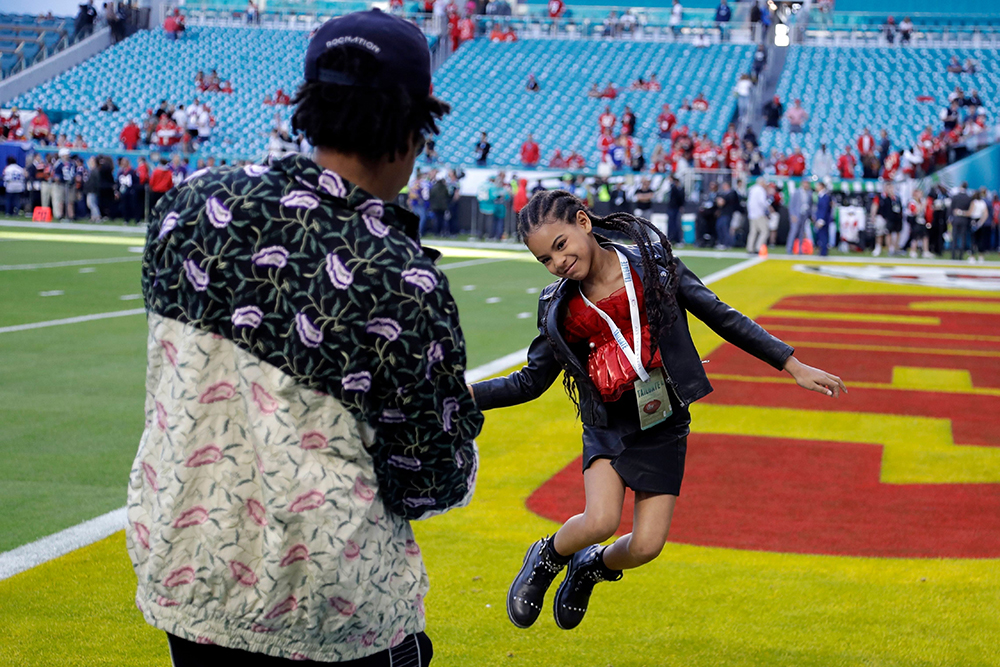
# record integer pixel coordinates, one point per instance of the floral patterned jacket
(305, 399)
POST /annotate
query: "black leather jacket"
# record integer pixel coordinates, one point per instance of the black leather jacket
(681, 361)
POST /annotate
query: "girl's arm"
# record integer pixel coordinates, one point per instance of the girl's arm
(520, 386)
(744, 333)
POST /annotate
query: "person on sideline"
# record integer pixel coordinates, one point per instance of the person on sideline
(305, 382)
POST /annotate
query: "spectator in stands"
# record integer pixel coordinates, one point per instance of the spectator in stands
(889, 30)
(498, 8)
(822, 163)
(752, 158)
(160, 182)
(575, 161)
(557, 161)
(676, 18)
(438, 201)
(796, 163)
(115, 24)
(884, 145)
(609, 92)
(950, 116)
(727, 206)
(252, 13)
(758, 213)
(606, 121)
(10, 126)
(532, 85)
(178, 170)
(109, 105)
(665, 121)
(638, 160)
(759, 61)
(556, 9)
(971, 66)
(84, 25)
(800, 212)
(905, 30)
(530, 152)
(846, 163)
(755, 18)
(722, 16)
(700, 102)
(466, 29)
(675, 202)
(866, 143)
(173, 25)
(869, 166)
(482, 149)
(79, 142)
(743, 88)
(14, 186)
(954, 66)
(64, 174)
(797, 116)
(40, 128)
(628, 121)
(773, 111)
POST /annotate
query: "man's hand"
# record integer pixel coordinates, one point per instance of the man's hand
(814, 379)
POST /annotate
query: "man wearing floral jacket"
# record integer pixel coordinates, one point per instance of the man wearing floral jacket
(305, 381)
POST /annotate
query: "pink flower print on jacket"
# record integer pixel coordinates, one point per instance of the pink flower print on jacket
(194, 516)
(218, 214)
(368, 638)
(351, 550)
(204, 640)
(170, 350)
(339, 274)
(247, 316)
(343, 607)
(309, 333)
(295, 554)
(307, 501)
(256, 511)
(435, 355)
(397, 638)
(412, 548)
(203, 456)
(141, 533)
(161, 416)
(275, 256)
(150, 473)
(422, 279)
(287, 605)
(166, 602)
(363, 491)
(255, 170)
(450, 406)
(220, 391)
(313, 440)
(265, 402)
(242, 573)
(179, 577)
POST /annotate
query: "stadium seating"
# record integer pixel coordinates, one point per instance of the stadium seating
(25, 39)
(147, 67)
(485, 83)
(848, 89)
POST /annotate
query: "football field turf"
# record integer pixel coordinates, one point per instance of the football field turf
(862, 531)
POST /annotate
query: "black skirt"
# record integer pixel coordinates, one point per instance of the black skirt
(650, 461)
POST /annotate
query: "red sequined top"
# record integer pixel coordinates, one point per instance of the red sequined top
(607, 365)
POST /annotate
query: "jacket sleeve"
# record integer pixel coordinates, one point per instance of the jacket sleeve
(421, 419)
(526, 384)
(732, 325)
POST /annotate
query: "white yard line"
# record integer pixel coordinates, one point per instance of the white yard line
(472, 262)
(79, 227)
(59, 544)
(70, 262)
(72, 320)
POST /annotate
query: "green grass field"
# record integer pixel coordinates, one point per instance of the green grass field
(71, 416)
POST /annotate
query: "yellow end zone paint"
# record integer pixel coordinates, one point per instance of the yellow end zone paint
(984, 307)
(74, 238)
(932, 379)
(853, 317)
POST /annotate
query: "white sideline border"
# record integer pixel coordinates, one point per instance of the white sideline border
(69, 262)
(59, 544)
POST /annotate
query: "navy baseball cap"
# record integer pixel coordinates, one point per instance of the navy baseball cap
(397, 45)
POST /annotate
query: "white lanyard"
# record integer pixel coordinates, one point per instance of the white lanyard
(634, 356)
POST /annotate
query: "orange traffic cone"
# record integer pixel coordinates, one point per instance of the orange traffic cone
(807, 247)
(795, 247)
(762, 253)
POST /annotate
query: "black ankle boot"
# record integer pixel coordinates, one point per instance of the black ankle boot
(585, 570)
(527, 592)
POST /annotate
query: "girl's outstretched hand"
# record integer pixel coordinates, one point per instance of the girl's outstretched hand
(814, 379)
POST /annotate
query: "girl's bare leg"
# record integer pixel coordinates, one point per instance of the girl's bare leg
(650, 525)
(605, 494)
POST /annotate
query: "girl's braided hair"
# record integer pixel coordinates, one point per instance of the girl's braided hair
(659, 296)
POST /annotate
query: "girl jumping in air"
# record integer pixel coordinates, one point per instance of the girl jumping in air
(633, 399)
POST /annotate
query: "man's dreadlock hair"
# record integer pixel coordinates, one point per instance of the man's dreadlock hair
(371, 123)
(659, 296)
